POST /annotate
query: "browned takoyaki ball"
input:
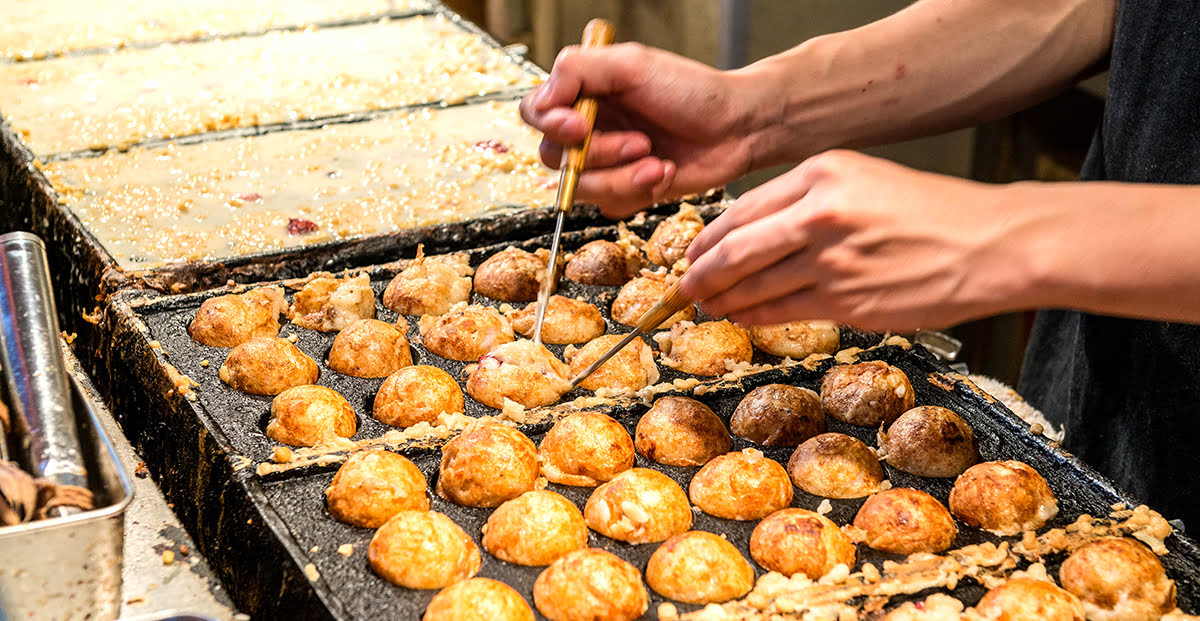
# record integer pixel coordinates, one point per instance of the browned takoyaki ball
(670, 240)
(230, 320)
(590, 584)
(466, 333)
(1020, 599)
(631, 369)
(567, 321)
(430, 285)
(797, 339)
(744, 485)
(374, 485)
(369, 348)
(868, 393)
(930, 441)
(697, 567)
(602, 262)
(512, 275)
(680, 431)
(308, 415)
(487, 464)
(417, 394)
(423, 550)
(1118, 578)
(835, 465)
(798, 541)
(641, 293)
(330, 304)
(904, 521)
(707, 348)
(535, 528)
(1003, 497)
(778, 415)
(639, 506)
(478, 598)
(585, 449)
(523, 372)
(267, 366)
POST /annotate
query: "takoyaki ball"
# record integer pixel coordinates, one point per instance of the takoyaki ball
(868, 393)
(1003, 497)
(466, 332)
(778, 415)
(590, 584)
(309, 415)
(835, 465)
(707, 348)
(567, 321)
(423, 550)
(1118, 578)
(670, 240)
(521, 371)
(417, 394)
(369, 348)
(643, 292)
(936, 607)
(798, 541)
(430, 285)
(602, 262)
(680, 431)
(478, 598)
(697, 567)
(744, 485)
(1020, 599)
(487, 464)
(230, 320)
(930, 441)
(904, 521)
(639, 506)
(512, 275)
(267, 366)
(585, 449)
(330, 304)
(631, 369)
(374, 485)
(535, 528)
(797, 339)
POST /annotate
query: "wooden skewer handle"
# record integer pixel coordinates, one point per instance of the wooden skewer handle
(670, 303)
(597, 33)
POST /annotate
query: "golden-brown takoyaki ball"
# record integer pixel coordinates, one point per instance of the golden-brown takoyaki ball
(632, 369)
(602, 262)
(567, 321)
(680, 431)
(670, 240)
(585, 449)
(369, 348)
(374, 485)
(1118, 578)
(230, 320)
(535, 528)
(797, 339)
(487, 464)
(430, 285)
(267, 366)
(936, 607)
(1020, 599)
(835, 465)
(743, 485)
(868, 393)
(331, 304)
(707, 348)
(798, 541)
(778, 415)
(639, 506)
(466, 332)
(308, 415)
(904, 521)
(417, 394)
(699, 568)
(590, 584)
(638, 295)
(478, 598)
(521, 371)
(512, 275)
(930, 441)
(1003, 497)
(423, 550)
